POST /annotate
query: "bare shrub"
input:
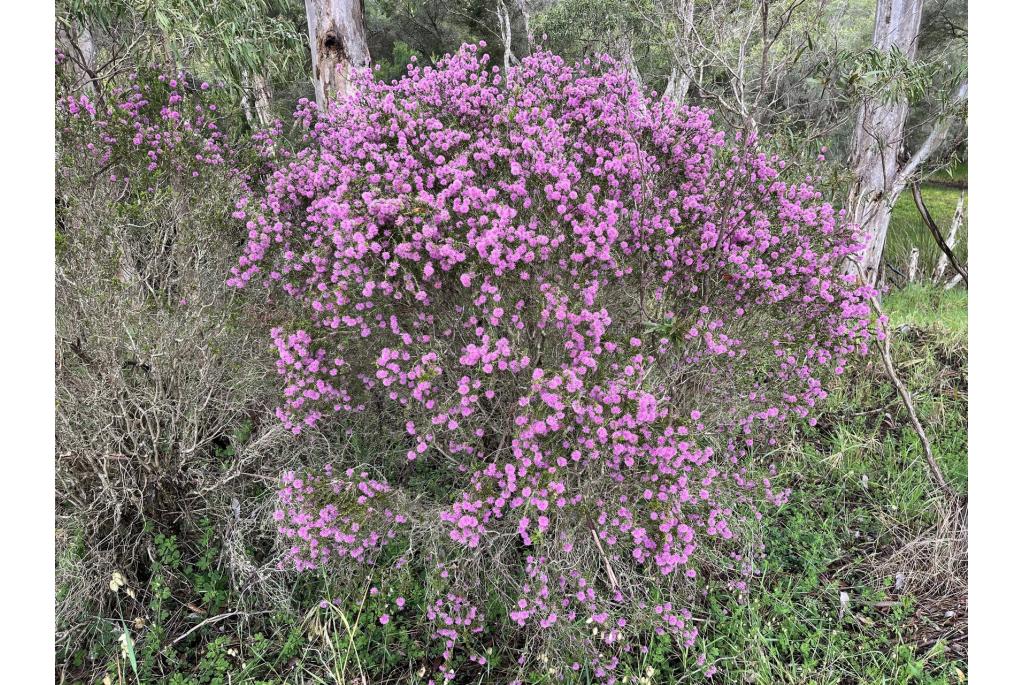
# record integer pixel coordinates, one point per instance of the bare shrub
(161, 384)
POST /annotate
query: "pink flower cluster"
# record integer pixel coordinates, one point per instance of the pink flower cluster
(586, 305)
(156, 121)
(325, 516)
(454, 616)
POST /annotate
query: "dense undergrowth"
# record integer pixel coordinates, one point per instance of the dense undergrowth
(169, 456)
(864, 520)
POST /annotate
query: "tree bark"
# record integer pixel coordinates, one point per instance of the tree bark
(524, 9)
(624, 51)
(679, 78)
(256, 103)
(83, 50)
(915, 254)
(337, 44)
(505, 31)
(262, 99)
(879, 135)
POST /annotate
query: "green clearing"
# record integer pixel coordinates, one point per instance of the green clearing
(908, 230)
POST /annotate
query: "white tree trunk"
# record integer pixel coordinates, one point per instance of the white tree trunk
(505, 31)
(250, 117)
(262, 98)
(624, 51)
(915, 255)
(524, 9)
(256, 104)
(879, 135)
(958, 217)
(679, 79)
(337, 43)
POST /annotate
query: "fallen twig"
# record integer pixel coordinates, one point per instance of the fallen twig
(607, 564)
(213, 619)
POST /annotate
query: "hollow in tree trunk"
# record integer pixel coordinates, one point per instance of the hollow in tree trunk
(337, 43)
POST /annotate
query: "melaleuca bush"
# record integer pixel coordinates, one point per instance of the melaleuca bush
(583, 306)
(155, 126)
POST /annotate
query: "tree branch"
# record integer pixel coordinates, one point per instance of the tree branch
(934, 229)
(935, 138)
(884, 347)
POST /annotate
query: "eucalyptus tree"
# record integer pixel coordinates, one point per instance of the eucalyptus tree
(247, 46)
(337, 44)
(882, 162)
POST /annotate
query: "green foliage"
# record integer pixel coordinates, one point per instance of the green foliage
(577, 29)
(395, 68)
(228, 451)
(397, 29)
(225, 42)
(887, 76)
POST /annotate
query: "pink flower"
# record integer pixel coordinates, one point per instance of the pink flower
(538, 382)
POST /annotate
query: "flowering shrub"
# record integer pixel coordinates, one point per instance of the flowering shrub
(348, 516)
(164, 122)
(582, 306)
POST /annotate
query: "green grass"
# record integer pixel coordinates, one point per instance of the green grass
(927, 307)
(861, 492)
(907, 230)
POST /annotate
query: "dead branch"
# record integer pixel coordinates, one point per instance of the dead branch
(934, 229)
(885, 349)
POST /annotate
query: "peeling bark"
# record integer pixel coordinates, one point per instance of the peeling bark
(337, 43)
(879, 135)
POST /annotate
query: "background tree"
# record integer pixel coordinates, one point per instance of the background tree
(337, 43)
(253, 48)
(881, 167)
